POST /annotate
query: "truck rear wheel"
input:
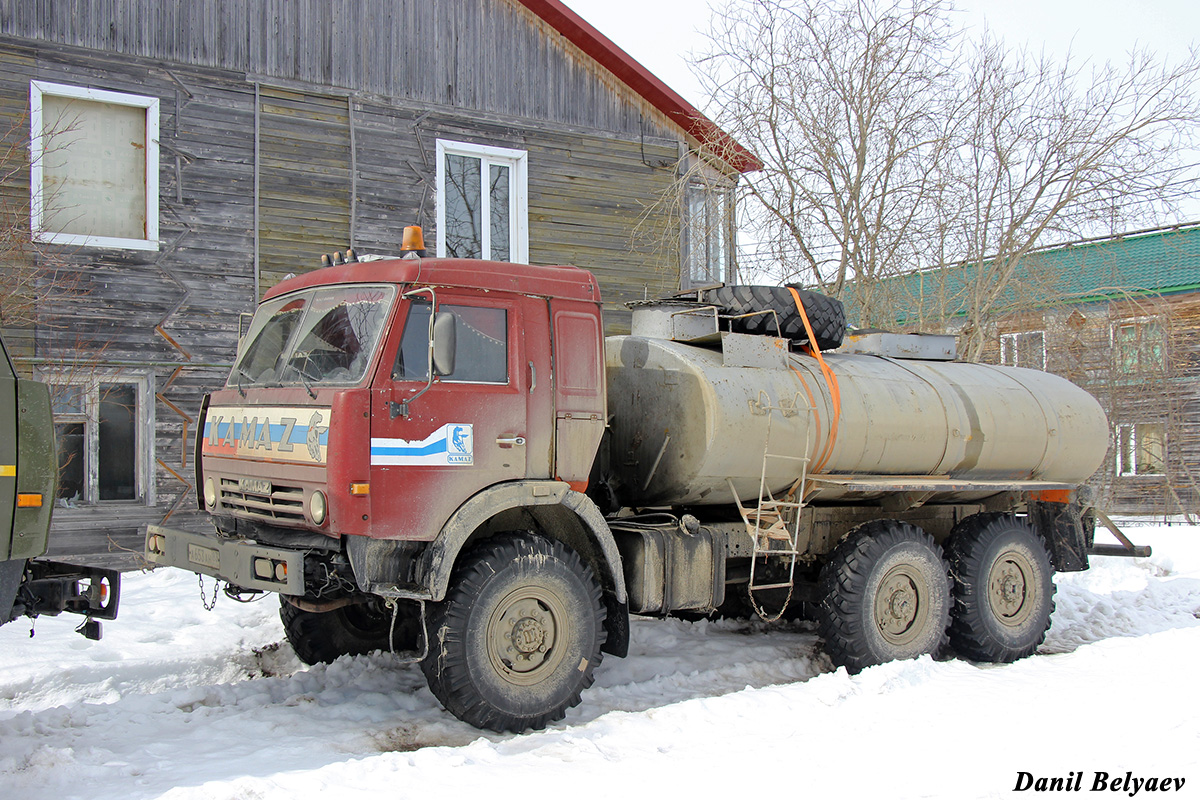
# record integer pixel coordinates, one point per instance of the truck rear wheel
(353, 630)
(516, 640)
(885, 595)
(1003, 588)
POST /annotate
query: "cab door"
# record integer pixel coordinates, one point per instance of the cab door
(434, 445)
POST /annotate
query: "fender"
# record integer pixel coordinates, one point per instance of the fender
(437, 561)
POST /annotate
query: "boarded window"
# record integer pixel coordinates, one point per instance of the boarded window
(305, 180)
(482, 202)
(94, 167)
(1026, 349)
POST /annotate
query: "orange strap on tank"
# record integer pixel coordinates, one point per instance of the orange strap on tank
(835, 393)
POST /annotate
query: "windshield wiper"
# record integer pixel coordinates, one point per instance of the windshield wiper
(303, 378)
(240, 373)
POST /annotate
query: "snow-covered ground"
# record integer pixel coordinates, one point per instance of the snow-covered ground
(179, 702)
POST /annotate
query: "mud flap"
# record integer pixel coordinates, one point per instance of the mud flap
(10, 581)
(1064, 528)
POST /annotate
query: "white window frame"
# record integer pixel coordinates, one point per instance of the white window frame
(518, 198)
(1130, 430)
(713, 193)
(37, 216)
(145, 494)
(1010, 349)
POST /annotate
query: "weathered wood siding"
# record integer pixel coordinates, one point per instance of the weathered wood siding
(304, 180)
(291, 128)
(18, 277)
(492, 55)
(104, 320)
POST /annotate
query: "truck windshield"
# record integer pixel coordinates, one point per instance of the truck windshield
(320, 336)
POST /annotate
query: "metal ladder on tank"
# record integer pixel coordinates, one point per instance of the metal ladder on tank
(768, 520)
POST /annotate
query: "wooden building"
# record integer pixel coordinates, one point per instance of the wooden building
(175, 158)
(1119, 316)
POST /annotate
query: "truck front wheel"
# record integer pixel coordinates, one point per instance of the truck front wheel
(885, 595)
(1003, 588)
(516, 640)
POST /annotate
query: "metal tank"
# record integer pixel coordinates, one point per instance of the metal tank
(689, 420)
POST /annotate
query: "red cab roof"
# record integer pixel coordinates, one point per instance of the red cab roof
(539, 281)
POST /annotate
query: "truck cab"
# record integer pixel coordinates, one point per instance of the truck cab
(383, 418)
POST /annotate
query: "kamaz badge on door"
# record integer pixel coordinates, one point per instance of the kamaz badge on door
(450, 445)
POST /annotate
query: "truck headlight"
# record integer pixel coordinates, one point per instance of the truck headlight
(317, 507)
(210, 492)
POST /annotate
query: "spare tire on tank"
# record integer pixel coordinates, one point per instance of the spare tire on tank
(825, 314)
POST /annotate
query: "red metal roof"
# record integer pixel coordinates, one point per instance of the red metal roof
(641, 80)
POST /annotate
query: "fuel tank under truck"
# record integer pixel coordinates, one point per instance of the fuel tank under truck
(689, 420)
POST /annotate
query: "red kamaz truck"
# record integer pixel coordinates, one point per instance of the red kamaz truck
(448, 457)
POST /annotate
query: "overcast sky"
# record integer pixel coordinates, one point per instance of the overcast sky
(661, 33)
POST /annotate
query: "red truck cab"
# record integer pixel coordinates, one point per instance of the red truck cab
(390, 425)
(329, 421)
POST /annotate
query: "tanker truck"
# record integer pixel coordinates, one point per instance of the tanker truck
(448, 460)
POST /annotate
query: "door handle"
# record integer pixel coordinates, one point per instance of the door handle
(510, 441)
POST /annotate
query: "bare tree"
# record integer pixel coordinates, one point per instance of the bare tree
(35, 279)
(835, 99)
(892, 146)
(1055, 151)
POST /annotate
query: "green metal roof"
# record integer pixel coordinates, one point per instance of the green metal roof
(1154, 262)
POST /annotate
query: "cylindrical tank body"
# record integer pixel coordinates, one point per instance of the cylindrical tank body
(685, 423)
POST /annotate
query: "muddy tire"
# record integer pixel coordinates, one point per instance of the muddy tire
(518, 636)
(885, 596)
(348, 631)
(1003, 588)
(825, 314)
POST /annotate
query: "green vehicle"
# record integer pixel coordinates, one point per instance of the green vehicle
(31, 586)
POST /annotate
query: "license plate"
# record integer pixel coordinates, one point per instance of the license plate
(254, 485)
(204, 556)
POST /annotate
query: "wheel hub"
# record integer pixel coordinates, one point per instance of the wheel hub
(1008, 588)
(528, 636)
(898, 608)
(521, 635)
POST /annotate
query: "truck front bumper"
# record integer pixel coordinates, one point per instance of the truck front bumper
(241, 562)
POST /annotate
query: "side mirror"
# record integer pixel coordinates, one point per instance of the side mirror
(445, 338)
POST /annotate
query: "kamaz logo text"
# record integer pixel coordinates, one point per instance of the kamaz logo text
(263, 432)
